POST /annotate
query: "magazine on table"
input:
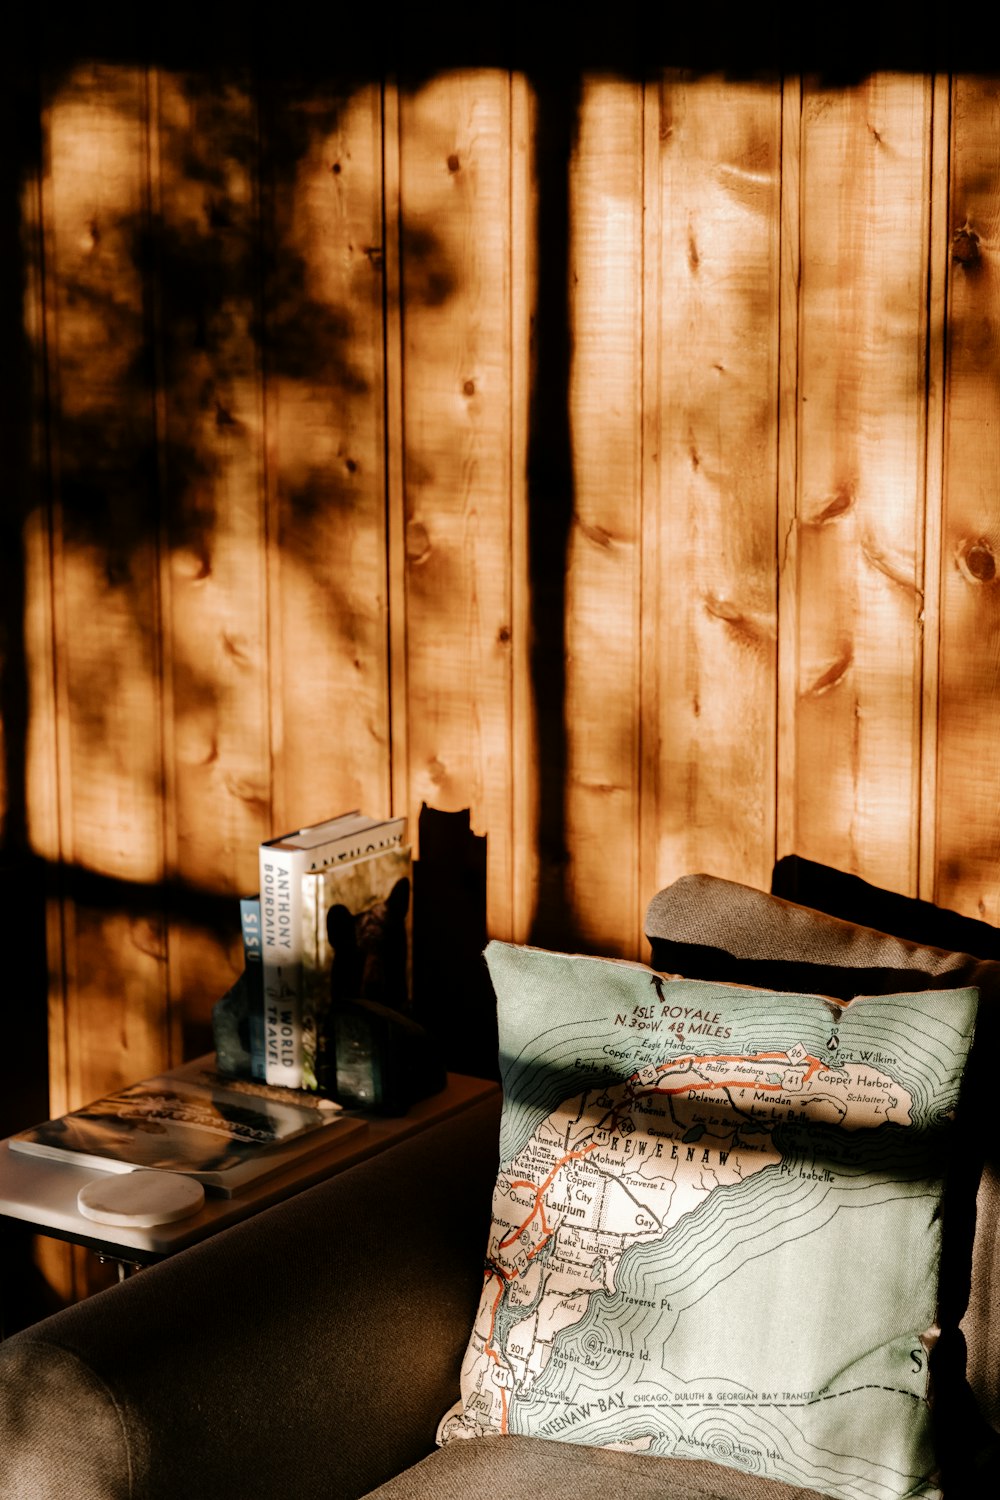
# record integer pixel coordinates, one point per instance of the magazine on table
(189, 1122)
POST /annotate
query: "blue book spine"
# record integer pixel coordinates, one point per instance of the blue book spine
(253, 954)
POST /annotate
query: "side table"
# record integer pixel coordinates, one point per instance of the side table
(43, 1194)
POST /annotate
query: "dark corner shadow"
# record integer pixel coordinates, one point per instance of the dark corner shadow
(739, 42)
(19, 117)
(23, 1008)
(551, 498)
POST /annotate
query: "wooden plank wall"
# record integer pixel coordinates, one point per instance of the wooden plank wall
(858, 502)
(296, 526)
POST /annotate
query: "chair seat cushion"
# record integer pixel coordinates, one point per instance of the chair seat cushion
(488, 1468)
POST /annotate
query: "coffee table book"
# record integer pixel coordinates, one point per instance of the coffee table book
(187, 1122)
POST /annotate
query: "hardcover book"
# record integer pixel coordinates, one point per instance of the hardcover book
(356, 924)
(186, 1122)
(284, 862)
(253, 967)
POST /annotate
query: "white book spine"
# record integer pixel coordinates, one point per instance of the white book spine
(281, 923)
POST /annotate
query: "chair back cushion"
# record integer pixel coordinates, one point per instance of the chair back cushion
(719, 929)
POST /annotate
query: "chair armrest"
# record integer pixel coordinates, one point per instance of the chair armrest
(309, 1351)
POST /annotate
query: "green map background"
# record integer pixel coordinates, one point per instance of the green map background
(791, 1342)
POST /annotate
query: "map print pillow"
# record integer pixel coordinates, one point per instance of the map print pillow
(716, 1222)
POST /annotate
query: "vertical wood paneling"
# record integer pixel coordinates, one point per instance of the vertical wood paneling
(55, 1261)
(709, 589)
(455, 166)
(289, 340)
(861, 415)
(326, 453)
(41, 771)
(603, 562)
(968, 792)
(104, 570)
(210, 442)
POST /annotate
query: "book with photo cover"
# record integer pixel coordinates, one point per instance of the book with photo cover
(355, 945)
(186, 1122)
(284, 862)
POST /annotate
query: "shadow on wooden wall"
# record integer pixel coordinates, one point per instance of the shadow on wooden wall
(200, 428)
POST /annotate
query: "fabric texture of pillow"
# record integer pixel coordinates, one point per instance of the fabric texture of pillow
(716, 1223)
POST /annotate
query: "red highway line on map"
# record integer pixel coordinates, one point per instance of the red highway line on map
(539, 1207)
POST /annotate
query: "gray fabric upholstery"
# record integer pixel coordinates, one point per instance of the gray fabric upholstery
(84, 1452)
(764, 940)
(309, 1352)
(705, 927)
(494, 1468)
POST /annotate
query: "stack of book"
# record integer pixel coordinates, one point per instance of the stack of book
(333, 925)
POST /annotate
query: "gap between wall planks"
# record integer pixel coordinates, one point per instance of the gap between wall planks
(523, 744)
(937, 318)
(399, 731)
(861, 395)
(711, 354)
(968, 835)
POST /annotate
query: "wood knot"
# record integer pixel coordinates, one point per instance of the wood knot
(418, 543)
(336, 169)
(831, 675)
(219, 214)
(117, 570)
(839, 503)
(965, 246)
(192, 564)
(503, 635)
(693, 256)
(453, 163)
(238, 648)
(977, 561)
(469, 388)
(246, 789)
(437, 771)
(595, 534)
(723, 609)
(148, 935)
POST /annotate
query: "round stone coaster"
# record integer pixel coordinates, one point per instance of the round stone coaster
(138, 1200)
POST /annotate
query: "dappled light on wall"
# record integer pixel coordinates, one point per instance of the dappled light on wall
(576, 450)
